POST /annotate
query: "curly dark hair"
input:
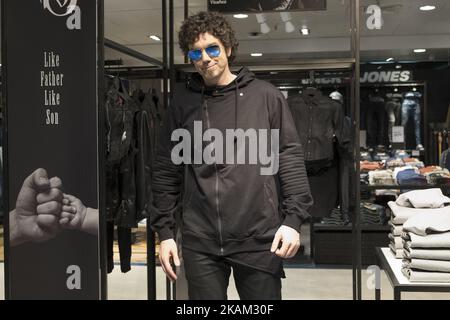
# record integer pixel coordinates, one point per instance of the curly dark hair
(213, 23)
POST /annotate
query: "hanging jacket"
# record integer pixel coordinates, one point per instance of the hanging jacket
(146, 131)
(119, 124)
(318, 120)
(229, 209)
(324, 129)
(120, 153)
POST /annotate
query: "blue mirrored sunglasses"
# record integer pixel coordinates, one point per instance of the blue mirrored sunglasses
(211, 51)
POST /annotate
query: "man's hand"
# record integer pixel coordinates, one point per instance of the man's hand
(290, 240)
(168, 252)
(38, 208)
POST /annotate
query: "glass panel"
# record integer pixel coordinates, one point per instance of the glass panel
(136, 24)
(132, 23)
(2, 273)
(405, 74)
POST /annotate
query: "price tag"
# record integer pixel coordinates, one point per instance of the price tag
(398, 134)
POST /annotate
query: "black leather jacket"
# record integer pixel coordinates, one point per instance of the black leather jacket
(146, 134)
(319, 122)
(119, 173)
(132, 127)
(324, 129)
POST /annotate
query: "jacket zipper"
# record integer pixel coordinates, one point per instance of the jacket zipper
(219, 220)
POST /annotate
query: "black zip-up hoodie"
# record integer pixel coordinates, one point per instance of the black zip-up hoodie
(229, 208)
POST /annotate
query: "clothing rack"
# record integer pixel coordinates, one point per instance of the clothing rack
(155, 73)
(439, 142)
(132, 53)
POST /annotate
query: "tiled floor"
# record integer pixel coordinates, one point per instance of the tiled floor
(301, 284)
(1, 245)
(2, 282)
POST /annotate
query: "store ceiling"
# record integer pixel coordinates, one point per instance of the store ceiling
(405, 28)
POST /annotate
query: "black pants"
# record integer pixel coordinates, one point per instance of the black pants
(124, 239)
(208, 278)
(376, 125)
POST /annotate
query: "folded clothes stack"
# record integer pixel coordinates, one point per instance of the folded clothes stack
(413, 162)
(436, 175)
(399, 216)
(409, 205)
(367, 166)
(392, 193)
(364, 181)
(337, 218)
(372, 214)
(411, 177)
(394, 163)
(430, 169)
(404, 168)
(365, 156)
(426, 242)
(381, 156)
(438, 178)
(381, 177)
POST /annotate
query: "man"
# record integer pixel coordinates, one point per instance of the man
(231, 218)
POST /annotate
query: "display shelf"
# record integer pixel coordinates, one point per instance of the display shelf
(392, 266)
(333, 244)
(324, 227)
(409, 187)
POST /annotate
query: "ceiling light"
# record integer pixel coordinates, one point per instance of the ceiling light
(396, 90)
(256, 54)
(286, 17)
(427, 8)
(262, 22)
(420, 50)
(305, 31)
(289, 27)
(265, 28)
(153, 37)
(241, 16)
(398, 67)
(389, 59)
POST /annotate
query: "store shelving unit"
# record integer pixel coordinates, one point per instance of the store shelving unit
(399, 282)
(332, 243)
